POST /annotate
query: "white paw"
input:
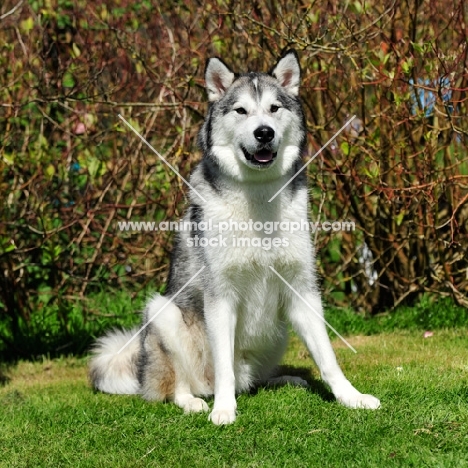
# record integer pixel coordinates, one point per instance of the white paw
(195, 405)
(359, 400)
(222, 416)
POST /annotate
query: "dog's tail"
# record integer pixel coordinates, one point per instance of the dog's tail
(113, 367)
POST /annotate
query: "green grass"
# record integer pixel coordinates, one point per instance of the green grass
(52, 332)
(430, 313)
(50, 416)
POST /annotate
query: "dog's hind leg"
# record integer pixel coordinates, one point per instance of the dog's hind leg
(156, 368)
(185, 400)
(181, 338)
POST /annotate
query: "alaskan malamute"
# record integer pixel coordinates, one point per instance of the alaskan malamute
(221, 326)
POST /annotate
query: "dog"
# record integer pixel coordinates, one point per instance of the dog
(221, 326)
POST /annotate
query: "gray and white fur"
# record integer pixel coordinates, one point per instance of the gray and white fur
(227, 331)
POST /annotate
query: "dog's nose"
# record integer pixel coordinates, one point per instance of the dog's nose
(264, 134)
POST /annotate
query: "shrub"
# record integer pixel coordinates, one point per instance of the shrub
(71, 170)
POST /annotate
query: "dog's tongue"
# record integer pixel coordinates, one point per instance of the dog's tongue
(263, 156)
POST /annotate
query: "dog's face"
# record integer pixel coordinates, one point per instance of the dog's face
(255, 123)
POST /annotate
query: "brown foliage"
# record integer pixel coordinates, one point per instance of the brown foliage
(70, 168)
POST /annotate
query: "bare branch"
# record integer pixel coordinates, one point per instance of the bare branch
(8, 13)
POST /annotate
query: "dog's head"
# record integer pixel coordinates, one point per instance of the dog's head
(255, 122)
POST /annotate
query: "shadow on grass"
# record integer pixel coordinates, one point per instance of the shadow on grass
(315, 386)
(4, 379)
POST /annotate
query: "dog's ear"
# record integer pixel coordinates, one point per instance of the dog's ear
(218, 78)
(288, 72)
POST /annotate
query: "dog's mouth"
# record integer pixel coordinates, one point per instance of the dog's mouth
(263, 157)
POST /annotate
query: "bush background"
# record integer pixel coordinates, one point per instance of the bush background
(70, 170)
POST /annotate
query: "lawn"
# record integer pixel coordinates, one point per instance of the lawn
(51, 418)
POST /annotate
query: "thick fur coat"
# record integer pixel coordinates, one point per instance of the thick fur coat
(221, 327)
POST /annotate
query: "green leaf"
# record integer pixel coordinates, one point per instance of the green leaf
(418, 47)
(345, 148)
(50, 171)
(68, 81)
(406, 66)
(76, 50)
(218, 44)
(399, 217)
(9, 158)
(27, 24)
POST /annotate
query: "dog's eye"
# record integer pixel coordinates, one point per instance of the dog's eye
(274, 108)
(241, 110)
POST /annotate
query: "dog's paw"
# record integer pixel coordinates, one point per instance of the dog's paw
(359, 400)
(195, 405)
(190, 404)
(222, 416)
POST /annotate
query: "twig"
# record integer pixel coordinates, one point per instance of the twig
(8, 13)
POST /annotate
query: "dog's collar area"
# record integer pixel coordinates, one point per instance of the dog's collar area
(264, 157)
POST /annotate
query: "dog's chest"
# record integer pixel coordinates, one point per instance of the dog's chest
(260, 307)
(250, 231)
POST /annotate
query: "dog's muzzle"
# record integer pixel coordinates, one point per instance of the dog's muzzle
(264, 155)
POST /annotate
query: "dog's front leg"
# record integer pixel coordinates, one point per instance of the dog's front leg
(307, 319)
(220, 316)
